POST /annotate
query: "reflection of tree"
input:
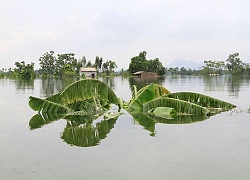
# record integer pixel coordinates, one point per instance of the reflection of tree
(51, 86)
(23, 84)
(141, 82)
(109, 81)
(228, 83)
(214, 83)
(234, 83)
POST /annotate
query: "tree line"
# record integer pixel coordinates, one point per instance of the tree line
(233, 65)
(65, 65)
(68, 65)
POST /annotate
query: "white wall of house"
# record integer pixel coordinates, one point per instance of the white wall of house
(88, 72)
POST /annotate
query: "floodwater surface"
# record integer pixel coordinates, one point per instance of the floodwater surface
(125, 148)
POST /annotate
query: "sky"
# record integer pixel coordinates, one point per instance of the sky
(193, 30)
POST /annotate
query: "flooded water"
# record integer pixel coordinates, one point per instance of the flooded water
(215, 148)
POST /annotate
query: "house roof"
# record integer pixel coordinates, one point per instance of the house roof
(88, 69)
(138, 72)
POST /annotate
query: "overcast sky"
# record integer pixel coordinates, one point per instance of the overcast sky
(118, 30)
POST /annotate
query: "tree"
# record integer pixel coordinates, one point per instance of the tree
(98, 63)
(89, 64)
(47, 63)
(66, 64)
(234, 64)
(140, 63)
(213, 67)
(108, 67)
(24, 71)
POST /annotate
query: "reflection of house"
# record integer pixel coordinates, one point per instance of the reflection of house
(88, 72)
(143, 74)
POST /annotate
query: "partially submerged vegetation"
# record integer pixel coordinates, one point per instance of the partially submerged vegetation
(66, 65)
(85, 101)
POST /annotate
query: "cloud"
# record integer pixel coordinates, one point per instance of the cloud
(118, 30)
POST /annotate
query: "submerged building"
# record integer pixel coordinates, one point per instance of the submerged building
(143, 74)
(88, 72)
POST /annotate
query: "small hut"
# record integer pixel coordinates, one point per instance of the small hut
(88, 72)
(143, 74)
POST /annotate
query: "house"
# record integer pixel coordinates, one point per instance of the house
(143, 74)
(88, 72)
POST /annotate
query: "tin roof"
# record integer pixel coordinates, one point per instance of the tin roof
(88, 69)
(138, 72)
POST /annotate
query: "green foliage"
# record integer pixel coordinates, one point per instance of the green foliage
(86, 100)
(144, 95)
(181, 107)
(88, 96)
(65, 64)
(234, 64)
(98, 63)
(213, 67)
(140, 63)
(212, 104)
(24, 71)
(47, 63)
(87, 135)
(164, 112)
(108, 67)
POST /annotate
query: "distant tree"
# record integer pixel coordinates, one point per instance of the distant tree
(108, 67)
(172, 71)
(183, 71)
(83, 61)
(213, 67)
(140, 63)
(80, 63)
(89, 64)
(98, 63)
(66, 64)
(247, 69)
(24, 71)
(47, 63)
(234, 64)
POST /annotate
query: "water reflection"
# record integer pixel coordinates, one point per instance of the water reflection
(88, 130)
(51, 86)
(215, 83)
(110, 81)
(22, 84)
(141, 82)
(86, 134)
(234, 84)
(231, 84)
(79, 130)
(149, 121)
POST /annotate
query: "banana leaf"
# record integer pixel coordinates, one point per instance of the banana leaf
(41, 119)
(86, 89)
(213, 104)
(144, 95)
(164, 112)
(181, 107)
(43, 105)
(84, 95)
(177, 119)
